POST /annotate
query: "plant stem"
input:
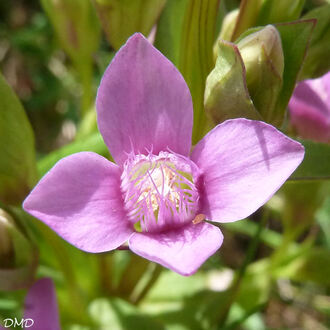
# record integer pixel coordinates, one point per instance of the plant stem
(153, 279)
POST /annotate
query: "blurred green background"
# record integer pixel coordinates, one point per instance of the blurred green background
(273, 270)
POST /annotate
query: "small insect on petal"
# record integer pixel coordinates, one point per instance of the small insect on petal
(198, 219)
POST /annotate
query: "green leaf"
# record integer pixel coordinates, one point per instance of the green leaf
(169, 27)
(310, 266)
(184, 303)
(295, 38)
(301, 201)
(275, 11)
(226, 94)
(172, 287)
(92, 143)
(248, 227)
(77, 28)
(119, 314)
(263, 12)
(255, 286)
(17, 166)
(316, 164)
(317, 61)
(196, 55)
(248, 13)
(121, 18)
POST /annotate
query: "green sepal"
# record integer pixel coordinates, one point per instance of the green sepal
(226, 94)
(264, 63)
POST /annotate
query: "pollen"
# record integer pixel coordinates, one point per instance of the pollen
(159, 191)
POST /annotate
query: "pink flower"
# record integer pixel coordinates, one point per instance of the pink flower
(40, 307)
(310, 109)
(157, 193)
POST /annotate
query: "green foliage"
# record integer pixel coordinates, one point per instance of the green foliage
(295, 38)
(316, 164)
(196, 59)
(76, 26)
(275, 11)
(184, 303)
(17, 165)
(254, 76)
(93, 142)
(322, 217)
(247, 16)
(262, 12)
(312, 266)
(119, 315)
(317, 61)
(121, 18)
(168, 36)
(78, 30)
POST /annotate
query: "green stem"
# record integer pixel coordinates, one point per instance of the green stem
(132, 275)
(85, 70)
(153, 279)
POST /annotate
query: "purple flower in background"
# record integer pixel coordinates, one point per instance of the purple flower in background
(157, 194)
(310, 109)
(40, 307)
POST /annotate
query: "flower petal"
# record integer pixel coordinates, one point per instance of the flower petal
(182, 250)
(80, 199)
(41, 306)
(244, 163)
(143, 103)
(310, 109)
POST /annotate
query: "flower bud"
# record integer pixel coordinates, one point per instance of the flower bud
(226, 95)
(263, 58)
(228, 25)
(226, 31)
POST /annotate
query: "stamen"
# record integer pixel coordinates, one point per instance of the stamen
(198, 219)
(159, 190)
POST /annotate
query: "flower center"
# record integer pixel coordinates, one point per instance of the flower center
(159, 191)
